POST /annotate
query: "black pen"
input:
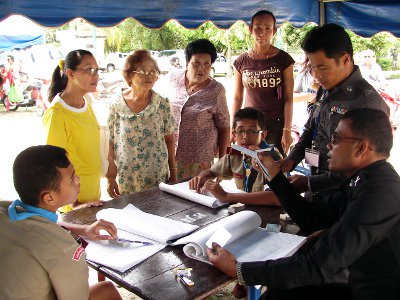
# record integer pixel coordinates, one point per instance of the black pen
(120, 240)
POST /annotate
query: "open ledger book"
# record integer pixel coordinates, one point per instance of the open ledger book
(134, 225)
(248, 242)
(182, 190)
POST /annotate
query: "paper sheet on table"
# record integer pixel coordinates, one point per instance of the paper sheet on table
(182, 190)
(156, 228)
(248, 242)
(121, 258)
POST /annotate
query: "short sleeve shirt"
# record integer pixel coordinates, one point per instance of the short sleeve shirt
(77, 131)
(263, 82)
(46, 262)
(141, 154)
(231, 166)
(198, 118)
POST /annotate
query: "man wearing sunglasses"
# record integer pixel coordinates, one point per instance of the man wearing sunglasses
(365, 237)
(343, 88)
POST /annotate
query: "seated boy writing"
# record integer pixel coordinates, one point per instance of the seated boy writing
(38, 258)
(249, 130)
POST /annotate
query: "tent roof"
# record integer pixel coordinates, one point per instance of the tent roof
(365, 17)
(24, 35)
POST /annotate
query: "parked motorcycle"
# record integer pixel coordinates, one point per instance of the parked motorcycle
(32, 97)
(4, 96)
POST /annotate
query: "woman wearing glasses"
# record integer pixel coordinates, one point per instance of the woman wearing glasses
(70, 122)
(200, 111)
(141, 127)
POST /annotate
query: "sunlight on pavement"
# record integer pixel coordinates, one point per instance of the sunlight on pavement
(23, 128)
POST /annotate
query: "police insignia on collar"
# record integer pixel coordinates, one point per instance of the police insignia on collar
(349, 88)
(353, 182)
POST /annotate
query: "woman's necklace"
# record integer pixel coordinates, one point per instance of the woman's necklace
(260, 55)
(195, 88)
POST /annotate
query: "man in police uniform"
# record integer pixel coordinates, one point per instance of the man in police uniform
(330, 52)
(365, 238)
(38, 258)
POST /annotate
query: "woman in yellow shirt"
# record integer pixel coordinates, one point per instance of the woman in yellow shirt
(70, 122)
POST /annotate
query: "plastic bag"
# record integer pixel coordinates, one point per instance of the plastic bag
(15, 95)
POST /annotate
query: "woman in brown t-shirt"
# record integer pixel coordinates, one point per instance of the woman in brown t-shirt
(266, 73)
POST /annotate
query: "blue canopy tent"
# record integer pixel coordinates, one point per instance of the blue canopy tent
(19, 37)
(8, 43)
(365, 17)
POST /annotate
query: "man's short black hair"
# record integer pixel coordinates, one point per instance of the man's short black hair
(372, 125)
(249, 113)
(36, 169)
(331, 38)
(201, 46)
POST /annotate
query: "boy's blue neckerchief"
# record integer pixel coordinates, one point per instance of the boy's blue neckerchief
(29, 211)
(248, 170)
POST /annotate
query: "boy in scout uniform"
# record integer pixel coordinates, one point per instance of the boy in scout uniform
(38, 258)
(249, 130)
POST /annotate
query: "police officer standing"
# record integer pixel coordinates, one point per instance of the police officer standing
(343, 88)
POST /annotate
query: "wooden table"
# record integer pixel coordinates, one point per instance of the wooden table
(154, 278)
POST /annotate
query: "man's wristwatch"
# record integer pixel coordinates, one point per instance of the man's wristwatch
(239, 274)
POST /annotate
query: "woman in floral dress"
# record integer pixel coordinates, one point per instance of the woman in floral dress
(141, 127)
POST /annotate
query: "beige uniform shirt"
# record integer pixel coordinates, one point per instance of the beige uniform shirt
(231, 166)
(40, 260)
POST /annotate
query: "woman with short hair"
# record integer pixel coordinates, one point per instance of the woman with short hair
(141, 150)
(200, 111)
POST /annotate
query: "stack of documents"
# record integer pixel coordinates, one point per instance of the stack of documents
(248, 242)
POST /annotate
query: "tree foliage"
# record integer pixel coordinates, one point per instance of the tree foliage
(293, 36)
(380, 43)
(131, 35)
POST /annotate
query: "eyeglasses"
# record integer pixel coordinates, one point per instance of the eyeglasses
(248, 132)
(90, 71)
(335, 138)
(144, 73)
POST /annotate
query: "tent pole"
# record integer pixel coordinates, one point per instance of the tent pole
(321, 12)
(94, 41)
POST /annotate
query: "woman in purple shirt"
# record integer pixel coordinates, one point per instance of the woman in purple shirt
(200, 111)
